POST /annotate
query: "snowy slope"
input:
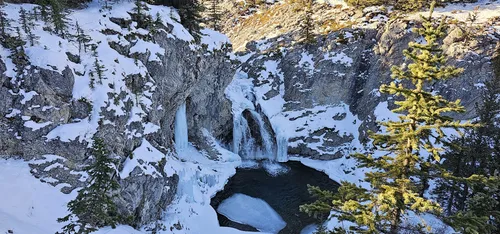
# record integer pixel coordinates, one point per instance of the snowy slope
(50, 52)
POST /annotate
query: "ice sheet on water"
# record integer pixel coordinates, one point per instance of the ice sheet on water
(251, 211)
(309, 229)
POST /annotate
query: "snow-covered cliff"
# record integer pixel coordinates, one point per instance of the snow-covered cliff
(124, 85)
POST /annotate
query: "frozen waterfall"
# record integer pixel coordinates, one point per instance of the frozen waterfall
(245, 144)
(267, 141)
(281, 147)
(181, 129)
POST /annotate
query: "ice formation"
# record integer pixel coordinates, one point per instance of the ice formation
(252, 211)
(244, 143)
(181, 129)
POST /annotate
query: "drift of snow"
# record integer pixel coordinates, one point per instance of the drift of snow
(27, 205)
(252, 211)
(486, 9)
(142, 157)
(213, 39)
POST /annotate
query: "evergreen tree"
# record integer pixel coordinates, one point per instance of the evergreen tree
(394, 186)
(18, 54)
(81, 38)
(98, 72)
(4, 23)
(307, 23)
(35, 14)
(141, 16)
(190, 14)
(24, 20)
(44, 12)
(54, 11)
(93, 207)
(214, 14)
(474, 206)
(59, 18)
(139, 7)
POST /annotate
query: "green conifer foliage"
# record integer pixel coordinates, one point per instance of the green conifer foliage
(395, 189)
(54, 11)
(23, 19)
(58, 16)
(18, 55)
(4, 23)
(470, 194)
(27, 24)
(190, 14)
(81, 38)
(307, 22)
(98, 71)
(214, 14)
(35, 13)
(93, 207)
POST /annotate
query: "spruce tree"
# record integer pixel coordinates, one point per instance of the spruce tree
(44, 12)
(93, 207)
(54, 12)
(24, 20)
(139, 7)
(214, 14)
(98, 72)
(470, 194)
(18, 54)
(35, 14)
(307, 23)
(59, 18)
(27, 24)
(190, 14)
(81, 38)
(393, 178)
(141, 16)
(4, 23)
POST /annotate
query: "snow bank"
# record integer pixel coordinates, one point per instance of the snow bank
(27, 205)
(213, 39)
(142, 157)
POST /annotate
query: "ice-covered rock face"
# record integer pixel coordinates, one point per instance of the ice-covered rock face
(252, 211)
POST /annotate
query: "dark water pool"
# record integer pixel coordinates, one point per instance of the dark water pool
(284, 193)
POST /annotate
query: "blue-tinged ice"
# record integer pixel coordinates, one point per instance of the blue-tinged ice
(181, 128)
(252, 211)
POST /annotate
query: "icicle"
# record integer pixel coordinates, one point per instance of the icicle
(181, 129)
(282, 147)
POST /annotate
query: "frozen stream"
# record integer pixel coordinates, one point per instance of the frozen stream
(284, 193)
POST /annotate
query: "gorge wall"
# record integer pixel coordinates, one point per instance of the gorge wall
(324, 97)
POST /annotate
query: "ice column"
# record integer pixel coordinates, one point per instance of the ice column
(282, 147)
(181, 129)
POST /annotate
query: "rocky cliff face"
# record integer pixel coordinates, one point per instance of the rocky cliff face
(54, 108)
(324, 97)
